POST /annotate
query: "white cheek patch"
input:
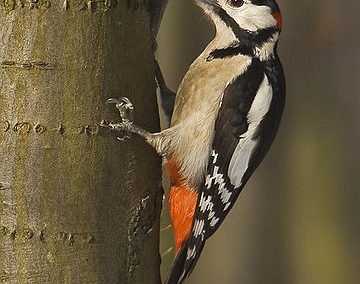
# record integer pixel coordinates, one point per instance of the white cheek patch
(240, 159)
(252, 17)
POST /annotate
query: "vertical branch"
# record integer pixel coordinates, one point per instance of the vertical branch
(76, 205)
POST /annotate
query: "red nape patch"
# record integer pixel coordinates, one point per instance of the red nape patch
(278, 19)
(182, 201)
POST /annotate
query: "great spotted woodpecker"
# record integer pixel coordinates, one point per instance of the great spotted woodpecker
(226, 114)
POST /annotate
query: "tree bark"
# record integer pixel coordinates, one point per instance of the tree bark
(76, 205)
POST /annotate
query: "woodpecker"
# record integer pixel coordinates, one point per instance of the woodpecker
(227, 111)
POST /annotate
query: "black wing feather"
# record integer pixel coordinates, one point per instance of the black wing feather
(232, 122)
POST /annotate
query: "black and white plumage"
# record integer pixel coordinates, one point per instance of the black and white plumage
(238, 148)
(226, 114)
(245, 127)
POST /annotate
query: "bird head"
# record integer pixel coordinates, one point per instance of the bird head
(248, 27)
(248, 15)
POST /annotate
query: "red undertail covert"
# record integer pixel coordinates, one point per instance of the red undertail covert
(182, 200)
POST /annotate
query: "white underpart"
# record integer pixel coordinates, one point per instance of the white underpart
(241, 156)
(251, 17)
(197, 103)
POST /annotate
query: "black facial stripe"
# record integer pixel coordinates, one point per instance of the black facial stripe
(230, 51)
(230, 22)
(241, 34)
(248, 41)
(245, 46)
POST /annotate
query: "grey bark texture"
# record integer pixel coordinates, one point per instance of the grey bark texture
(76, 205)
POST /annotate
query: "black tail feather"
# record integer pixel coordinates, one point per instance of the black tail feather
(182, 265)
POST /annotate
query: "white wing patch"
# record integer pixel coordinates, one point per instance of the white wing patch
(240, 159)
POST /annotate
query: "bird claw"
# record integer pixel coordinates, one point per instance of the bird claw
(124, 106)
(126, 109)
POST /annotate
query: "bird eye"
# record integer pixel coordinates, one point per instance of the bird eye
(236, 3)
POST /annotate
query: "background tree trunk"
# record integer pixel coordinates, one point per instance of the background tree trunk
(76, 205)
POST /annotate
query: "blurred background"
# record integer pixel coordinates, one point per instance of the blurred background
(298, 219)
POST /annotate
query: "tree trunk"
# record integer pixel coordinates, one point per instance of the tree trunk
(76, 205)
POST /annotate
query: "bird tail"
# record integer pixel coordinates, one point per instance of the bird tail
(185, 261)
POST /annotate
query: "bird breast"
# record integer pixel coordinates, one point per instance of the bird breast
(196, 107)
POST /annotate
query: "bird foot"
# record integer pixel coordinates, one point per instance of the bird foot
(126, 126)
(124, 106)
